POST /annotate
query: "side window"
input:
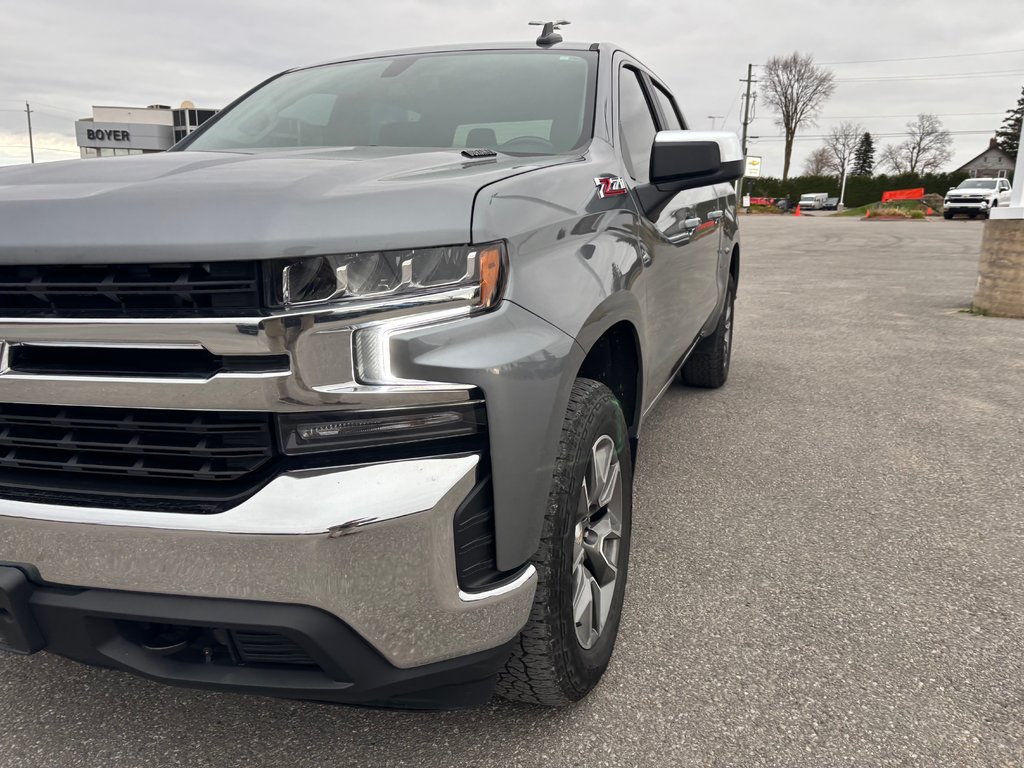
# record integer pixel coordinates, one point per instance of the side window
(668, 108)
(636, 125)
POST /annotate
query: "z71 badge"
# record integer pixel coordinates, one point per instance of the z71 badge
(610, 185)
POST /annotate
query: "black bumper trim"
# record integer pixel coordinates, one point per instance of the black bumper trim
(88, 625)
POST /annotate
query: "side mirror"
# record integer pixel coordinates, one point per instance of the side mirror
(688, 159)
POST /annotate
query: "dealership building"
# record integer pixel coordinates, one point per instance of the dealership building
(115, 131)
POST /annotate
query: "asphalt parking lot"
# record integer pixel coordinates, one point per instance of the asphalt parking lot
(828, 564)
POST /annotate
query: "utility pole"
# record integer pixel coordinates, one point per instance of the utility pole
(746, 121)
(746, 105)
(31, 148)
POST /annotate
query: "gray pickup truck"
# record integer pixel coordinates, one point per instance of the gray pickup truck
(340, 398)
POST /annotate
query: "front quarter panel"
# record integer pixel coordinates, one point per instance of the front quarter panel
(573, 255)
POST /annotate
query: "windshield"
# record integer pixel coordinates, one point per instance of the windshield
(977, 184)
(809, 196)
(523, 102)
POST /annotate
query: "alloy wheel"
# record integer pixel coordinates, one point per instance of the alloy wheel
(597, 541)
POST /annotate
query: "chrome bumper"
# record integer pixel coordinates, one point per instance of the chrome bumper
(372, 545)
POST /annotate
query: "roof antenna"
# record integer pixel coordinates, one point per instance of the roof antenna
(548, 36)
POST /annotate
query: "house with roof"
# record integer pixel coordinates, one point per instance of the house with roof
(994, 162)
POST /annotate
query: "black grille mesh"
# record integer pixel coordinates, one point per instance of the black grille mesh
(197, 447)
(130, 290)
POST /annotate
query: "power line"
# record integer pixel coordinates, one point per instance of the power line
(48, 149)
(915, 114)
(818, 137)
(732, 105)
(43, 104)
(926, 58)
(944, 76)
(865, 117)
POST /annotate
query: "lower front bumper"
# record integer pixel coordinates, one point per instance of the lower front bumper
(270, 649)
(371, 546)
(966, 207)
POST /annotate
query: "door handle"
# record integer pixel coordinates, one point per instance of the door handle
(716, 215)
(692, 223)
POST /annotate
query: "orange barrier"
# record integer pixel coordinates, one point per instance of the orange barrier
(903, 194)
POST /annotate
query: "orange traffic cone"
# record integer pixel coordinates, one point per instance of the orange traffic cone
(929, 212)
(797, 211)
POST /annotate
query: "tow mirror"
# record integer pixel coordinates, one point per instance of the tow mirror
(687, 159)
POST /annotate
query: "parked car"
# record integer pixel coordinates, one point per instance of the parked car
(339, 398)
(831, 204)
(813, 201)
(976, 197)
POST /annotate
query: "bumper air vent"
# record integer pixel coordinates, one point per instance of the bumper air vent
(269, 648)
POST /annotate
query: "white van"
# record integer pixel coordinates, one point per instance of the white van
(813, 201)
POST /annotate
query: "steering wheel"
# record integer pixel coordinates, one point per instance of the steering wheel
(529, 144)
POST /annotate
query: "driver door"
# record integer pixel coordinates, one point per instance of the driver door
(680, 241)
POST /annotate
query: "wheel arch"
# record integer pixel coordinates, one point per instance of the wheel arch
(615, 358)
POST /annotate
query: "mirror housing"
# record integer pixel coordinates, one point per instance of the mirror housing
(683, 160)
(688, 159)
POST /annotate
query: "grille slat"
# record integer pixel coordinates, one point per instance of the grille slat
(202, 447)
(130, 290)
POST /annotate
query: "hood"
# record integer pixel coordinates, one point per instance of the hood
(221, 206)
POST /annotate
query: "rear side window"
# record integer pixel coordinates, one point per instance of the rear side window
(668, 108)
(636, 125)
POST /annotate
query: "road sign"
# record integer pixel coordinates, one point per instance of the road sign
(753, 167)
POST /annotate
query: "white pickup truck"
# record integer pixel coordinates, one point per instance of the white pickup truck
(976, 196)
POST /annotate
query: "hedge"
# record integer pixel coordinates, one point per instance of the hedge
(860, 190)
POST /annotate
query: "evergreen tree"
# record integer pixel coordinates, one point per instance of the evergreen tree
(864, 157)
(1008, 136)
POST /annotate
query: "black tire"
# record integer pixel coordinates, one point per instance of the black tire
(708, 365)
(947, 215)
(549, 664)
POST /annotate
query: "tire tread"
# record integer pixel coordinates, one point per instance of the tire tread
(539, 669)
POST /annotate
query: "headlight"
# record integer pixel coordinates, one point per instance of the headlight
(465, 274)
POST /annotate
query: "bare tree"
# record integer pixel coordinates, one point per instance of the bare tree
(841, 143)
(926, 149)
(796, 88)
(819, 162)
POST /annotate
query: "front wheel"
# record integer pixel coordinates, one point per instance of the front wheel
(581, 565)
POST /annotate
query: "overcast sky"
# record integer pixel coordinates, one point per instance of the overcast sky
(64, 57)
